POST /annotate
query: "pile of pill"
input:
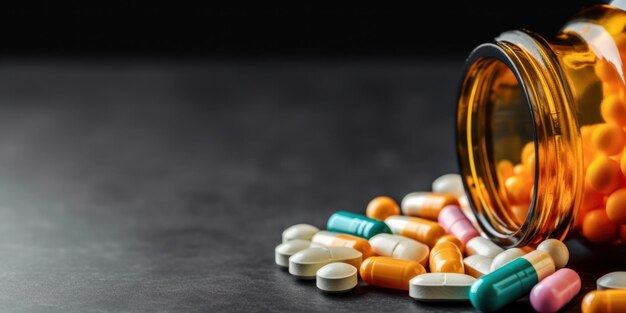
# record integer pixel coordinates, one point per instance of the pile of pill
(428, 247)
(602, 214)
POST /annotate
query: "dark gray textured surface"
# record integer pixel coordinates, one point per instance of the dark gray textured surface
(129, 186)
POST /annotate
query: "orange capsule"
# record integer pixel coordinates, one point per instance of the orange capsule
(616, 207)
(603, 175)
(614, 110)
(597, 227)
(331, 239)
(456, 241)
(446, 257)
(427, 204)
(422, 230)
(609, 139)
(389, 272)
(381, 208)
(604, 301)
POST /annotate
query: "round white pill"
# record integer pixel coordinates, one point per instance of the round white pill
(482, 246)
(336, 277)
(285, 250)
(557, 250)
(300, 231)
(449, 183)
(441, 287)
(614, 280)
(506, 257)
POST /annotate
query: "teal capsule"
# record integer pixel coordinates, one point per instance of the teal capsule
(356, 224)
(510, 282)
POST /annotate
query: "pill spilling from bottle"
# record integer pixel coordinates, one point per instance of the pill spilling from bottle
(436, 254)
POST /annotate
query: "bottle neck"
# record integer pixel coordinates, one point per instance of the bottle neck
(558, 170)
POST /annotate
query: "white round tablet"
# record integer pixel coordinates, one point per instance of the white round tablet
(285, 250)
(614, 280)
(300, 231)
(336, 277)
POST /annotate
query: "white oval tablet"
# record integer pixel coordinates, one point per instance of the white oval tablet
(557, 250)
(482, 246)
(336, 277)
(400, 247)
(300, 231)
(441, 287)
(285, 250)
(505, 257)
(614, 280)
(305, 263)
(477, 265)
(449, 183)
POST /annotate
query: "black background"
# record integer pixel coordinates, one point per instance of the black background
(312, 29)
(150, 157)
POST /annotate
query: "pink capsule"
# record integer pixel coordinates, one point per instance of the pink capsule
(555, 291)
(456, 223)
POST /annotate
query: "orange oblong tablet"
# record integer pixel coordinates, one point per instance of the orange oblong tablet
(446, 257)
(389, 272)
(381, 208)
(604, 301)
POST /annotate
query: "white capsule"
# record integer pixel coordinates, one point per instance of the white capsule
(285, 250)
(300, 231)
(336, 277)
(441, 287)
(482, 246)
(505, 257)
(307, 262)
(449, 183)
(477, 265)
(557, 250)
(400, 247)
(614, 280)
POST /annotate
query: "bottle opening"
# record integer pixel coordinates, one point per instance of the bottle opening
(497, 146)
(517, 141)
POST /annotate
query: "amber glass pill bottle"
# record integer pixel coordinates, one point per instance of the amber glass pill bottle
(540, 130)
